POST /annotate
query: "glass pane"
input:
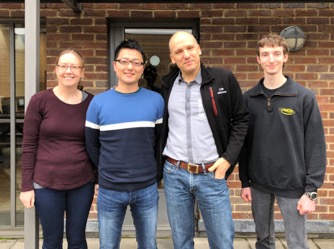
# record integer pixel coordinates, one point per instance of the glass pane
(19, 112)
(155, 45)
(4, 126)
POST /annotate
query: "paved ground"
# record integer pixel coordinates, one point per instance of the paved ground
(166, 243)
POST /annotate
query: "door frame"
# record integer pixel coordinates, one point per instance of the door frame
(116, 33)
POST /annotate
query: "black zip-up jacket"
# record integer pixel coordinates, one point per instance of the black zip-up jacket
(224, 107)
(285, 149)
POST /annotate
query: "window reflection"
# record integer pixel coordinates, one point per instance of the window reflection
(4, 126)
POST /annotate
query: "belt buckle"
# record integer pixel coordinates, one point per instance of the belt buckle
(193, 165)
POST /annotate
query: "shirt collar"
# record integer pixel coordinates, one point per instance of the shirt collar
(197, 80)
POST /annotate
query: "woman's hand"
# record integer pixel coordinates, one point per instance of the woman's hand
(28, 198)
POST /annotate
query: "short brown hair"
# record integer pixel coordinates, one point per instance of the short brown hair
(272, 40)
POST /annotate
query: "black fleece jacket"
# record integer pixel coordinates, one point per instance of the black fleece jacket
(225, 109)
(285, 150)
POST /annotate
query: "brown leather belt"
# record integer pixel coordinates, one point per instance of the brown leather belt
(192, 168)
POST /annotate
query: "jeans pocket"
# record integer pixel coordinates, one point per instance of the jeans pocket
(169, 167)
(212, 175)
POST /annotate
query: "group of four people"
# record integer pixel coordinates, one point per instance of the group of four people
(125, 140)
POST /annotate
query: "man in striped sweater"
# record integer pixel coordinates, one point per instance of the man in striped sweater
(122, 130)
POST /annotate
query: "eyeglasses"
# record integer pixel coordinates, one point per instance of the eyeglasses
(73, 68)
(126, 62)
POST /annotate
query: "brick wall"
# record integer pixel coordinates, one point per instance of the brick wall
(228, 34)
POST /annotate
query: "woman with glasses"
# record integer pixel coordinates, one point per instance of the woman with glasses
(57, 175)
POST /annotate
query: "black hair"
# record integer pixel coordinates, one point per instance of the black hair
(150, 74)
(130, 44)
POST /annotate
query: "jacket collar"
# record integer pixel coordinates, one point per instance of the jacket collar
(288, 89)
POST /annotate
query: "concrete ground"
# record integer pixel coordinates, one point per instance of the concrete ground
(166, 243)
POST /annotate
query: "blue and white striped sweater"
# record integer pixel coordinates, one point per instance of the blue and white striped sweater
(121, 132)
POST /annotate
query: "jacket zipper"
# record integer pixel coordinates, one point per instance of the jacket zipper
(268, 105)
(213, 102)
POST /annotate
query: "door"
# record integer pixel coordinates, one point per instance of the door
(154, 38)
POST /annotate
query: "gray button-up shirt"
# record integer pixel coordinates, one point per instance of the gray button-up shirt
(189, 138)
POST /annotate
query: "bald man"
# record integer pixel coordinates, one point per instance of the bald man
(205, 123)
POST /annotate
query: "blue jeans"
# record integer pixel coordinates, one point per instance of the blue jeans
(182, 189)
(263, 213)
(51, 206)
(112, 205)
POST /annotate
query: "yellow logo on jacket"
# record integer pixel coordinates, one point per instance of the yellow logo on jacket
(287, 111)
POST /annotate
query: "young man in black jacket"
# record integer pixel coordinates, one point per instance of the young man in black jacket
(284, 156)
(205, 122)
